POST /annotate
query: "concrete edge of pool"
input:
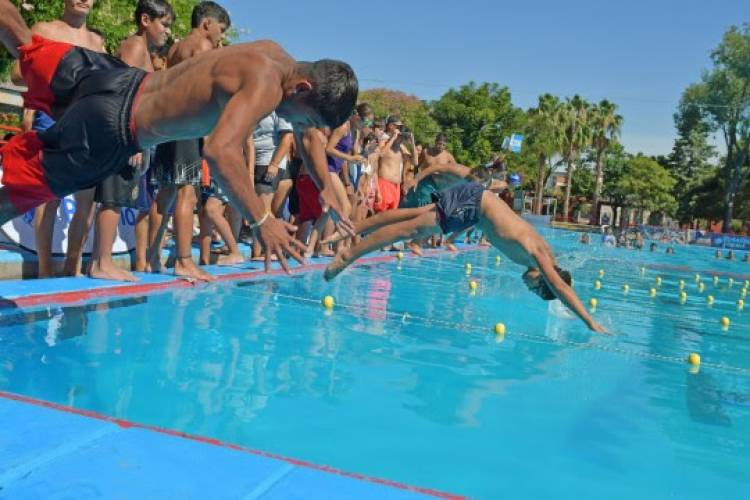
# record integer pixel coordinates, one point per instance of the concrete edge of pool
(47, 449)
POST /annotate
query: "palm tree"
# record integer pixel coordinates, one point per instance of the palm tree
(605, 129)
(543, 140)
(574, 137)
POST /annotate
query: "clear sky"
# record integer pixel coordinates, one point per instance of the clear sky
(640, 54)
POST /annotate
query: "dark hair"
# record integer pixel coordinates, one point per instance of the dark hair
(369, 138)
(481, 174)
(335, 89)
(364, 109)
(209, 10)
(155, 9)
(440, 137)
(546, 292)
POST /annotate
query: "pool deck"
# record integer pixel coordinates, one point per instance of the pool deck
(50, 450)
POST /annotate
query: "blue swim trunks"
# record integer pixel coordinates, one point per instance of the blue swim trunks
(459, 207)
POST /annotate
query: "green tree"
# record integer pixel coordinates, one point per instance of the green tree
(414, 112)
(542, 141)
(114, 18)
(721, 102)
(646, 185)
(476, 119)
(605, 129)
(574, 138)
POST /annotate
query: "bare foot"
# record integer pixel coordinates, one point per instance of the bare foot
(337, 265)
(230, 259)
(186, 268)
(105, 270)
(416, 248)
(451, 247)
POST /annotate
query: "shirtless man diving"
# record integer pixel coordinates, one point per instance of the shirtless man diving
(220, 94)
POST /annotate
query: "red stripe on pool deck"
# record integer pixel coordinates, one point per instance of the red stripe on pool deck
(137, 289)
(140, 289)
(215, 442)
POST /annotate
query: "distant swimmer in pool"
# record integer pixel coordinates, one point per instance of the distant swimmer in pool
(111, 111)
(455, 209)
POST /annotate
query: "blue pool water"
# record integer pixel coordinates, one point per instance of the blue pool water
(405, 380)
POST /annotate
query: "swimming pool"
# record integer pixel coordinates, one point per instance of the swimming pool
(405, 379)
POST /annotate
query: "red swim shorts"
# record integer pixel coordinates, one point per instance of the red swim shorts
(390, 195)
(309, 199)
(23, 176)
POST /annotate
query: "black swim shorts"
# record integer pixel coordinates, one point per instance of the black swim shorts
(179, 163)
(92, 139)
(459, 207)
(122, 189)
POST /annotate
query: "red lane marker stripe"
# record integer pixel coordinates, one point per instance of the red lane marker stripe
(141, 289)
(125, 424)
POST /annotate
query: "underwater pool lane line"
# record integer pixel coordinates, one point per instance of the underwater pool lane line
(76, 296)
(126, 424)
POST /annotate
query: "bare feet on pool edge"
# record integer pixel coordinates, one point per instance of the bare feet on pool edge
(416, 249)
(108, 271)
(451, 247)
(338, 264)
(230, 259)
(184, 267)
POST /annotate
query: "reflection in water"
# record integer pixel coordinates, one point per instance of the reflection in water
(390, 374)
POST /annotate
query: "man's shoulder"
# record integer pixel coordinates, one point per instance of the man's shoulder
(48, 29)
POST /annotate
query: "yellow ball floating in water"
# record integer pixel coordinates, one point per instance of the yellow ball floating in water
(500, 329)
(328, 302)
(597, 285)
(730, 282)
(468, 269)
(400, 256)
(683, 297)
(747, 283)
(694, 358)
(701, 287)
(643, 270)
(682, 284)
(593, 303)
(743, 293)
(716, 280)
(740, 305)
(625, 289)
(697, 278)
(652, 292)
(658, 281)
(710, 300)
(473, 285)
(498, 259)
(725, 322)
(601, 273)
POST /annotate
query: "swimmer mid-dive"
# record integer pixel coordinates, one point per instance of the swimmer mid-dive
(455, 209)
(111, 111)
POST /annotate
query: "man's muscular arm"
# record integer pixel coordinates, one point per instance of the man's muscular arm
(224, 152)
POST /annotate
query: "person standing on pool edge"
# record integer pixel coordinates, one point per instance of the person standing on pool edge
(178, 163)
(456, 209)
(154, 19)
(71, 28)
(222, 94)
